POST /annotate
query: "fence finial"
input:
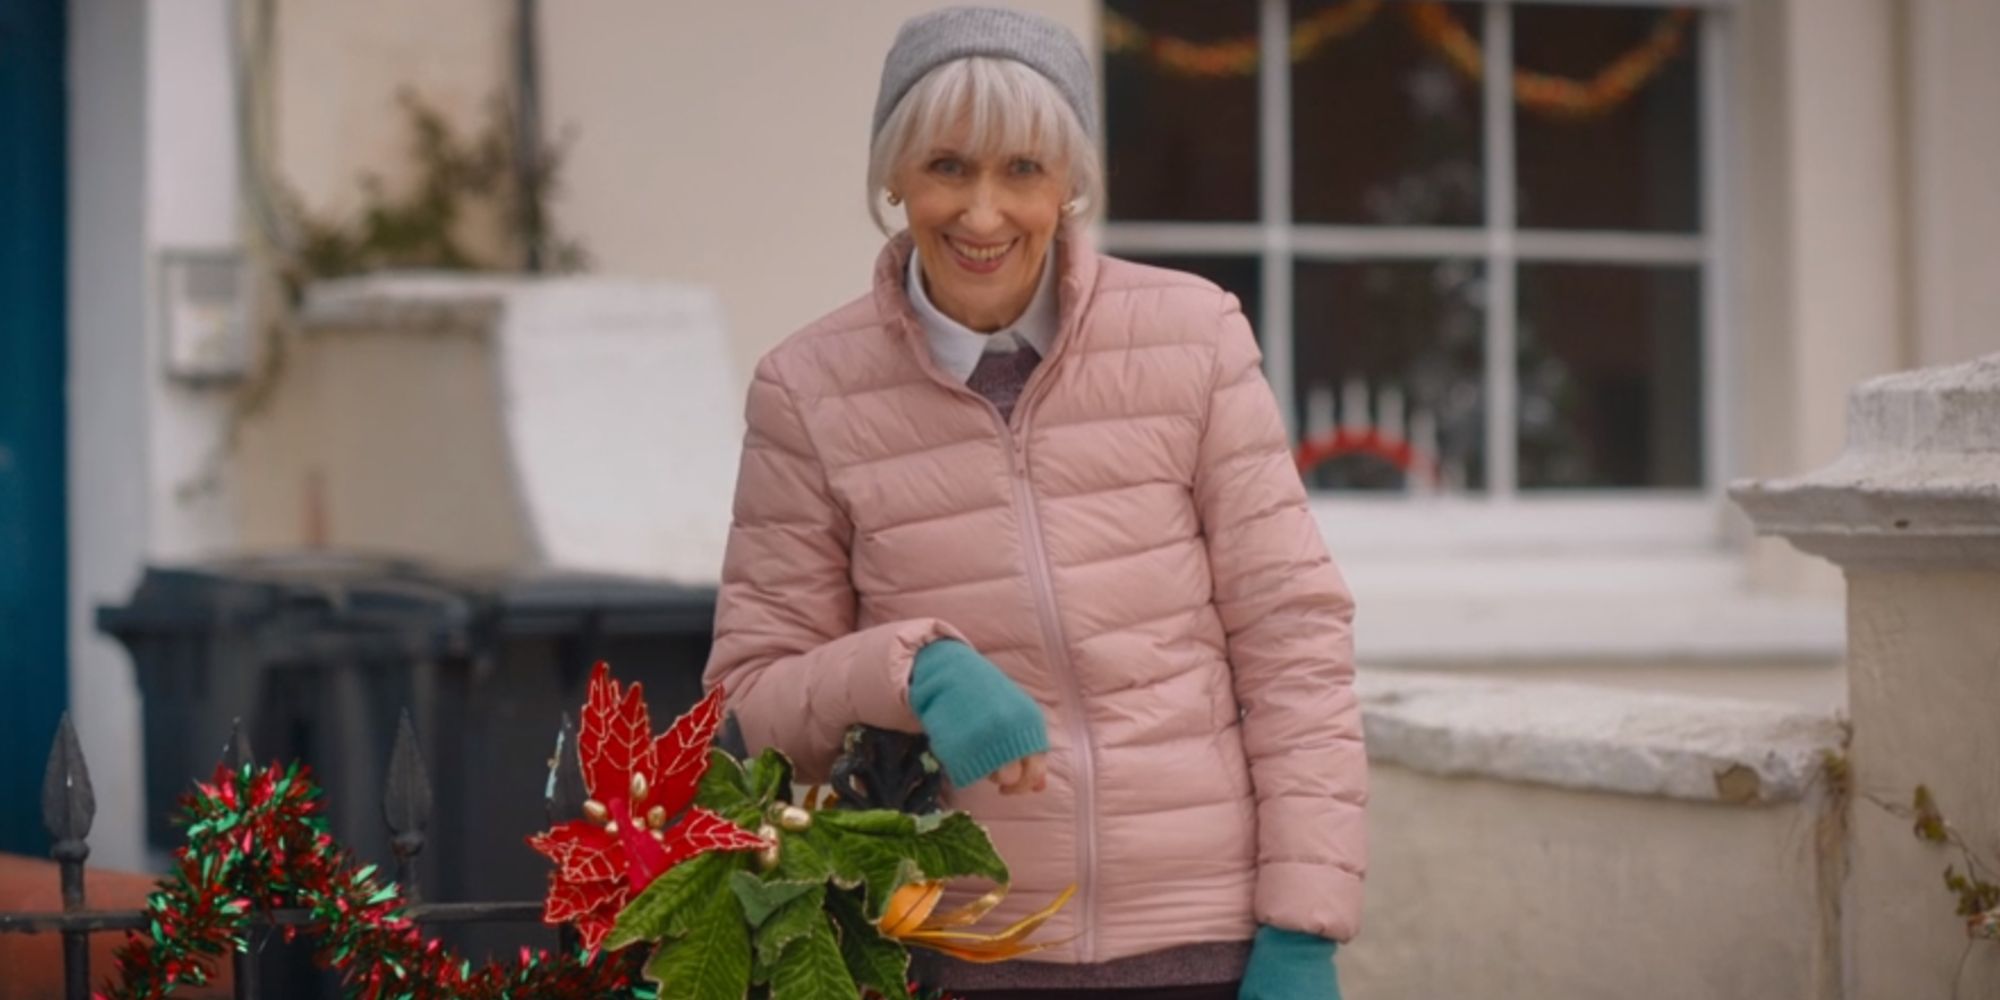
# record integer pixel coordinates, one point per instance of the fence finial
(565, 789)
(237, 752)
(69, 805)
(406, 805)
(406, 801)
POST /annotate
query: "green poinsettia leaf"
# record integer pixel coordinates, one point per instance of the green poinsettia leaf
(762, 897)
(954, 846)
(792, 922)
(871, 822)
(884, 850)
(712, 962)
(668, 908)
(802, 856)
(875, 962)
(770, 777)
(725, 790)
(813, 969)
(880, 865)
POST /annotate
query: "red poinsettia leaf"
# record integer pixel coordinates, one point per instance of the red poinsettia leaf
(582, 852)
(701, 831)
(680, 755)
(564, 839)
(592, 928)
(603, 866)
(598, 867)
(570, 900)
(616, 737)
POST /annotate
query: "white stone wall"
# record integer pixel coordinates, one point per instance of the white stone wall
(1485, 888)
(1551, 840)
(1911, 512)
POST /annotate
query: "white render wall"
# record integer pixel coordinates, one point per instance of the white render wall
(337, 70)
(1911, 513)
(109, 502)
(152, 168)
(726, 144)
(1846, 234)
(1549, 840)
(1954, 136)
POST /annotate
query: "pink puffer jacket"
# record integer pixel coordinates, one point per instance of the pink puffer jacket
(1135, 550)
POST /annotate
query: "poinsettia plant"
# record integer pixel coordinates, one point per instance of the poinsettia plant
(738, 891)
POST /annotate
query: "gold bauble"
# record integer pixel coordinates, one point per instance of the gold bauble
(767, 858)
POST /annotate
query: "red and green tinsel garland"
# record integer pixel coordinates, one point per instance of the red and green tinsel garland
(255, 840)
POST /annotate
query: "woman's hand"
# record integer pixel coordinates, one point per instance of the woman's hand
(1289, 965)
(981, 724)
(1029, 774)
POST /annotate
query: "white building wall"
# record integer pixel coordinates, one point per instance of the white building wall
(192, 185)
(109, 499)
(1953, 131)
(726, 144)
(1847, 236)
(339, 66)
(152, 167)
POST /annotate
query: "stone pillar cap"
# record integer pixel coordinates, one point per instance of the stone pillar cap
(1919, 482)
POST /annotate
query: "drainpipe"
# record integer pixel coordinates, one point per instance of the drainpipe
(528, 130)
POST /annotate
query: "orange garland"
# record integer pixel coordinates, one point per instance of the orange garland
(1554, 96)
(1236, 56)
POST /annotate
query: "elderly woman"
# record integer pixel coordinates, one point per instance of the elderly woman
(1037, 503)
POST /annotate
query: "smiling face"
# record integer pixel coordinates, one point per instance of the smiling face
(983, 154)
(983, 224)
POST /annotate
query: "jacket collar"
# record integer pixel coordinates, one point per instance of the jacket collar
(1075, 282)
(957, 348)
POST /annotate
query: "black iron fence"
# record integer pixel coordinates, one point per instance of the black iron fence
(69, 806)
(877, 770)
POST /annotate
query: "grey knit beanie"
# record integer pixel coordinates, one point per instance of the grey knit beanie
(928, 41)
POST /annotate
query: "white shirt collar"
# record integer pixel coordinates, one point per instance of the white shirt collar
(957, 348)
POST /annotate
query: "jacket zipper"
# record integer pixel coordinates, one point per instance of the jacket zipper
(1043, 585)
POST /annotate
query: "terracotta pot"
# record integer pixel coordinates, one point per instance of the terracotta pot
(33, 962)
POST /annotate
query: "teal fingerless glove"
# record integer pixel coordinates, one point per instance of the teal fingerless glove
(1288, 965)
(977, 718)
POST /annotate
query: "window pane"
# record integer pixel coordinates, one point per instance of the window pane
(1400, 348)
(1384, 130)
(1609, 363)
(1180, 123)
(1240, 276)
(1627, 162)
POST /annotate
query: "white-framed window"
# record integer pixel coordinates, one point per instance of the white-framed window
(1480, 241)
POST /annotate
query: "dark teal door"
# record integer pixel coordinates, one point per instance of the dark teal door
(34, 665)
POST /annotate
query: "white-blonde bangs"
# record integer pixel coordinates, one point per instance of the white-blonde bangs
(1010, 108)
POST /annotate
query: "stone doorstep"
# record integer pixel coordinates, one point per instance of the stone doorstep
(1587, 738)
